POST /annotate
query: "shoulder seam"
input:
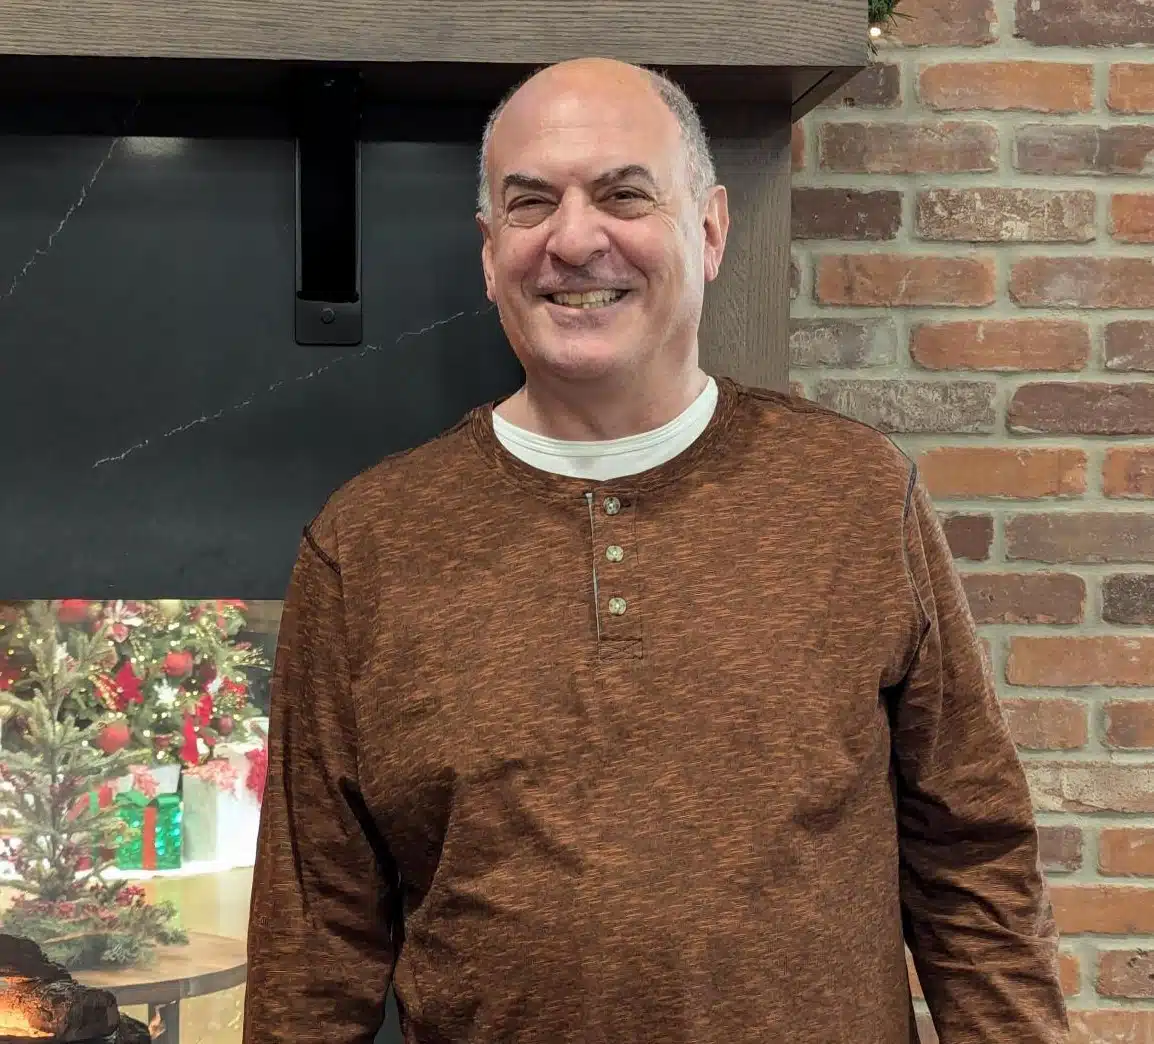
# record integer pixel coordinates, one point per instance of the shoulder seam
(320, 552)
(909, 489)
(923, 614)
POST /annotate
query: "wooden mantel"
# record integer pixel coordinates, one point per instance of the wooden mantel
(747, 44)
(753, 66)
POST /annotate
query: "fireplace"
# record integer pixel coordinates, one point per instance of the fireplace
(40, 1003)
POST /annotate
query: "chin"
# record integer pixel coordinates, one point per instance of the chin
(582, 360)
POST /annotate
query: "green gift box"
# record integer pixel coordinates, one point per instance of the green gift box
(154, 840)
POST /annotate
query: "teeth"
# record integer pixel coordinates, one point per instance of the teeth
(593, 299)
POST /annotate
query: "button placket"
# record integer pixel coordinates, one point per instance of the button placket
(616, 552)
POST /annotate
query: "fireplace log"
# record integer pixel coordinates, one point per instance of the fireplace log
(53, 1007)
(63, 1010)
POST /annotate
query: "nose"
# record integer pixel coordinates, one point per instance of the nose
(578, 234)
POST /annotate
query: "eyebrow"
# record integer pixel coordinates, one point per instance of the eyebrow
(630, 170)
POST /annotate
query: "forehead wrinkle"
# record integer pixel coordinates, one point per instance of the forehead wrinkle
(520, 179)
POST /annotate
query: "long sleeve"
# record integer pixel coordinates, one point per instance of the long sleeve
(320, 952)
(975, 902)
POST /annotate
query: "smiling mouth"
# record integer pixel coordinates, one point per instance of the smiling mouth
(592, 299)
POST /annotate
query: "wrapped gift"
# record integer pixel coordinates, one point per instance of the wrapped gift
(222, 814)
(154, 825)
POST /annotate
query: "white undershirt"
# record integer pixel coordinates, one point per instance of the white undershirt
(611, 458)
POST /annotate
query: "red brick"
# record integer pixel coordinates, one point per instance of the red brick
(1128, 598)
(1081, 536)
(1132, 217)
(877, 86)
(1047, 724)
(1003, 86)
(886, 280)
(1060, 661)
(844, 343)
(1128, 471)
(1103, 909)
(1089, 787)
(1090, 408)
(1129, 724)
(1111, 1026)
(797, 147)
(1130, 345)
(1083, 282)
(944, 23)
(908, 148)
(1070, 974)
(1058, 148)
(964, 472)
(969, 536)
(1126, 851)
(1125, 973)
(1005, 215)
(1060, 848)
(895, 405)
(1076, 23)
(842, 213)
(1131, 87)
(1002, 344)
(1025, 598)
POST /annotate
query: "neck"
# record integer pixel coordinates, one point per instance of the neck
(608, 408)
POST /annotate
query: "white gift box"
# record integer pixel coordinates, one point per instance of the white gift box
(221, 825)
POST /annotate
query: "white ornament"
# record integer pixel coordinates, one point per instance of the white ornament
(167, 694)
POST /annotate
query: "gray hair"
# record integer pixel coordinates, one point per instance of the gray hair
(698, 158)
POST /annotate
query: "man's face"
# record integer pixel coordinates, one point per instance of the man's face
(596, 254)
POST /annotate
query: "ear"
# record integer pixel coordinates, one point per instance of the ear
(486, 255)
(716, 228)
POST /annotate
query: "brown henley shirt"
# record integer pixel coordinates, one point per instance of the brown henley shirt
(700, 791)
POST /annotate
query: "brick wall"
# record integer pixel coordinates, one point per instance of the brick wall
(973, 223)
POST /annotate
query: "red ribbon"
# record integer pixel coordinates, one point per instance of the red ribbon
(148, 839)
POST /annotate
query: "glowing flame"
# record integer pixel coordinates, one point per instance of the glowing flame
(14, 1022)
(156, 1026)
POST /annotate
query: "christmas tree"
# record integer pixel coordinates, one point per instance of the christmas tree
(59, 827)
(171, 682)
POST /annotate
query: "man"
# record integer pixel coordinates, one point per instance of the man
(641, 707)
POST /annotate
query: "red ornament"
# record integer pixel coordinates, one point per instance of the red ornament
(178, 664)
(113, 737)
(160, 742)
(72, 610)
(225, 724)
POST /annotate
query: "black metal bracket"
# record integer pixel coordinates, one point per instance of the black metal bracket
(328, 208)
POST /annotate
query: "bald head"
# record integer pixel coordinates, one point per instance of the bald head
(656, 102)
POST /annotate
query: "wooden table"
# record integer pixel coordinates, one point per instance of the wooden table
(208, 964)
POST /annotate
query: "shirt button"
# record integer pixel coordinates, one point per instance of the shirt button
(614, 553)
(612, 505)
(617, 606)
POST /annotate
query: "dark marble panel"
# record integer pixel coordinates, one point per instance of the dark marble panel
(164, 435)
